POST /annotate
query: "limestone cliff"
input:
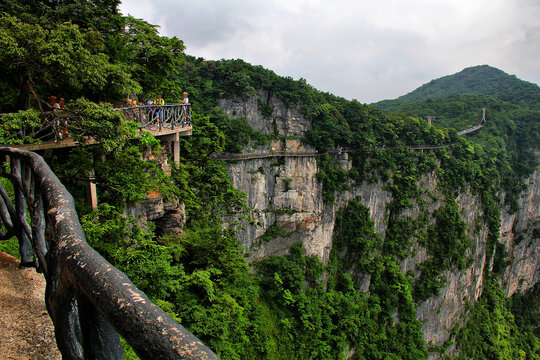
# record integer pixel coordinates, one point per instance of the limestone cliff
(288, 207)
(168, 215)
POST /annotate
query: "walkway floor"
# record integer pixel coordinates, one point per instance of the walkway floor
(26, 331)
(181, 131)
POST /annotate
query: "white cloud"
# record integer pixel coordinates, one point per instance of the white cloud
(357, 49)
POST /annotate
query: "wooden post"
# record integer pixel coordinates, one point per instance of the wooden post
(92, 190)
(176, 150)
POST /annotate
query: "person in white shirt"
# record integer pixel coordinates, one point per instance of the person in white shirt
(185, 100)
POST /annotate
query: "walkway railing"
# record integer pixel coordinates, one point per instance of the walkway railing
(88, 299)
(158, 117)
(470, 130)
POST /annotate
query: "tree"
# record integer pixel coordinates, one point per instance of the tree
(39, 62)
(152, 59)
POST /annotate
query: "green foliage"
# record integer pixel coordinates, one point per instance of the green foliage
(330, 129)
(314, 323)
(60, 59)
(87, 121)
(381, 140)
(98, 54)
(274, 231)
(152, 59)
(15, 125)
(525, 307)
(492, 332)
(400, 232)
(101, 15)
(447, 243)
(447, 240)
(354, 235)
(357, 248)
(11, 245)
(127, 246)
(504, 150)
(115, 165)
(264, 107)
(332, 177)
(199, 278)
(288, 306)
(203, 182)
(238, 133)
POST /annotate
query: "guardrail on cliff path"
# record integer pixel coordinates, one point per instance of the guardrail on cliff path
(88, 299)
(158, 117)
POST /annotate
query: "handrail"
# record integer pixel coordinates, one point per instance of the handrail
(88, 299)
(158, 117)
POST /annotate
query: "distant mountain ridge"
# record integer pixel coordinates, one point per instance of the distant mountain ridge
(477, 80)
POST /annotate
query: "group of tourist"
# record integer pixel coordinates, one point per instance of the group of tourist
(154, 113)
(151, 101)
(60, 122)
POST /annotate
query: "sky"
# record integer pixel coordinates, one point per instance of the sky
(368, 50)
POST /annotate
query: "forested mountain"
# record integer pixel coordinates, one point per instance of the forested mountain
(476, 80)
(393, 219)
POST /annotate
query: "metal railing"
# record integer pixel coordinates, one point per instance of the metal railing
(159, 117)
(88, 299)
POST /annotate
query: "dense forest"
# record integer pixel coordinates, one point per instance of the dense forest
(291, 306)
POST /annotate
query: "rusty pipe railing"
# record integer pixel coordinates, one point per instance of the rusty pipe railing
(88, 299)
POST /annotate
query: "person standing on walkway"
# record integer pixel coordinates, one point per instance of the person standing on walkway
(185, 100)
(159, 101)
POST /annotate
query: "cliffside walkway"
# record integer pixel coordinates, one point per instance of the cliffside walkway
(89, 301)
(27, 331)
(160, 121)
(271, 154)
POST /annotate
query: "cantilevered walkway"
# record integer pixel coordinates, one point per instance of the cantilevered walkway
(166, 122)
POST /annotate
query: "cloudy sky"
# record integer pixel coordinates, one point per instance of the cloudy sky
(367, 50)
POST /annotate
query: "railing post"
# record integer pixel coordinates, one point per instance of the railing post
(23, 233)
(99, 339)
(176, 150)
(92, 190)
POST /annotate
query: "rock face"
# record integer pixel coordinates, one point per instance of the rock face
(521, 236)
(168, 216)
(284, 194)
(287, 121)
